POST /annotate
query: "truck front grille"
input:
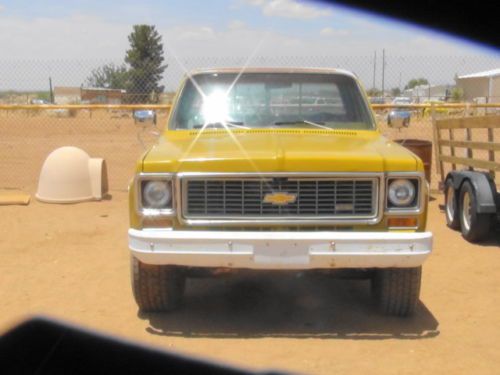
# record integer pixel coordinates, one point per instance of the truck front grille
(231, 198)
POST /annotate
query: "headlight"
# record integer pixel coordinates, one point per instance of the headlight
(156, 194)
(401, 193)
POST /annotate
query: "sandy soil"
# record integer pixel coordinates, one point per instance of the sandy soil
(72, 262)
(26, 140)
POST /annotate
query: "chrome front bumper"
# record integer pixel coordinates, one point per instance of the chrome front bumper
(280, 250)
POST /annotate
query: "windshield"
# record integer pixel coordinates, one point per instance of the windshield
(252, 100)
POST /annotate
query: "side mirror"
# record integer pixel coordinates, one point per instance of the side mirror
(396, 122)
(145, 117)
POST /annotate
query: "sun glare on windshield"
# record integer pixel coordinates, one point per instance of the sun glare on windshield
(215, 107)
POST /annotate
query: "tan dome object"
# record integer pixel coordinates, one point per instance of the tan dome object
(70, 175)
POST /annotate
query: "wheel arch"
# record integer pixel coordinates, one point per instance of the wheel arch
(483, 187)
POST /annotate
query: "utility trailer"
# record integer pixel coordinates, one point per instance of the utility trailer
(472, 195)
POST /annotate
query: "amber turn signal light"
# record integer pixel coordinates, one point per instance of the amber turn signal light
(402, 222)
(153, 222)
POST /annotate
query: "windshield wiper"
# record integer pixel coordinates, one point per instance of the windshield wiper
(235, 124)
(317, 124)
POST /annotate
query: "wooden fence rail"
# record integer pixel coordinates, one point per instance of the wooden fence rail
(469, 124)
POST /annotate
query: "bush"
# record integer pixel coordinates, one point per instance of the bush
(457, 94)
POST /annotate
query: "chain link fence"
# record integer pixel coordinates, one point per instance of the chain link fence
(29, 134)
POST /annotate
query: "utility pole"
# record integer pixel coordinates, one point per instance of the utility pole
(374, 68)
(383, 72)
(51, 91)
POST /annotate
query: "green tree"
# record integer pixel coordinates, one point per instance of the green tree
(416, 82)
(457, 94)
(373, 92)
(109, 76)
(43, 95)
(145, 58)
(396, 91)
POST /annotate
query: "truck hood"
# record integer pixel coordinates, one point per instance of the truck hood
(277, 150)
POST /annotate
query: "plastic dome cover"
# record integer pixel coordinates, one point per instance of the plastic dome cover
(70, 175)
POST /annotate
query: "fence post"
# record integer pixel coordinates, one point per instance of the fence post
(452, 148)
(491, 153)
(437, 147)
(468, 137)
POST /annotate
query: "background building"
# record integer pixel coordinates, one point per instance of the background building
(102, 95)
(423, 93)
(88, 95)
(481, 87)
(66, 95)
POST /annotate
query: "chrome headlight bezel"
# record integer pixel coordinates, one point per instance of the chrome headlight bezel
(145, 209)
(401, 184)
(415, 206)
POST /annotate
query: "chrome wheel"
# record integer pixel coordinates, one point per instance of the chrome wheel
(466, 211)
(475, 225)
(450, 204)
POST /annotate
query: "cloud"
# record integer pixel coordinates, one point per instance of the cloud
(426, 42)
(2, 7)
(256, 2)
(74, 36)
(329, 31)
(200, 33)
(236, 25)
(71, 46)
(289, 9)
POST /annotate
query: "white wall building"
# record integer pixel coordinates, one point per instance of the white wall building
(422, 93)
(67, 95)
(481, 87)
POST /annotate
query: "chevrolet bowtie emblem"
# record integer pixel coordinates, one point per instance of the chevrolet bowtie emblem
(280, 198)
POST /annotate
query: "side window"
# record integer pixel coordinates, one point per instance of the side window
(188, 107)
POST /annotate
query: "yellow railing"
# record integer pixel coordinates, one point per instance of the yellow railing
(168, 106)
(436, 105)
(84, 106)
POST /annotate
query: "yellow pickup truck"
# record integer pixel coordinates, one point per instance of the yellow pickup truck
(276, 169)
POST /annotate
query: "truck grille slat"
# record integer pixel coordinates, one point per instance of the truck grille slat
(219, 198)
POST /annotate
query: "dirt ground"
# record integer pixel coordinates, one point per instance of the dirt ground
(27, 139)
(71, 262)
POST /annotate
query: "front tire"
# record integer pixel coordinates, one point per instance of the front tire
(397, 290)
(474, 226)
(156, 288)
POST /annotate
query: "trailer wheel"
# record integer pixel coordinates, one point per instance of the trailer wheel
(450, 200)
(475, 226)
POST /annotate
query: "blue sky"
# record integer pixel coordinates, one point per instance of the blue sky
(218, 14)
(86, 30)
(292, 18)
(168, 13)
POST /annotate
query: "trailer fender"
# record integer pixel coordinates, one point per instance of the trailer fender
(483, 186)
